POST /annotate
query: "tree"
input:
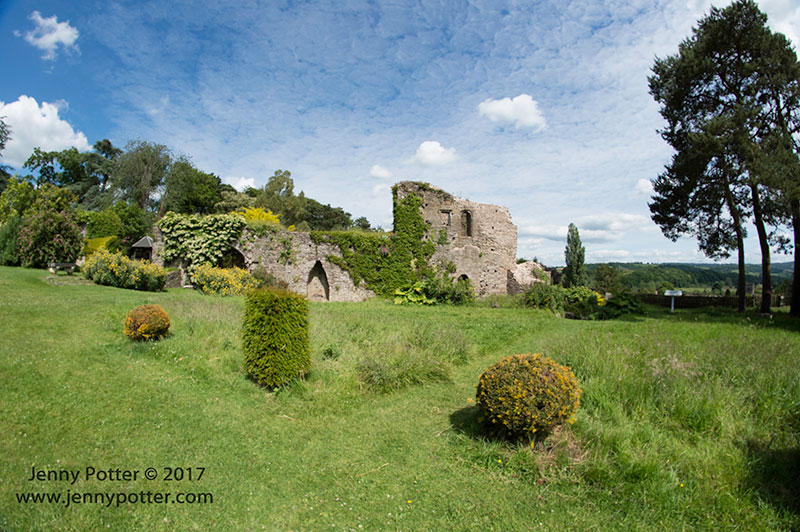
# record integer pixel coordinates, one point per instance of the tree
(5, 135)
(85, 174)
(575, 271)
(16, 199)
(712, 94)
(190, 191)
(140, 172)
(607, 278)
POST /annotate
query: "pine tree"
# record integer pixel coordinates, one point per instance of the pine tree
(575, 272)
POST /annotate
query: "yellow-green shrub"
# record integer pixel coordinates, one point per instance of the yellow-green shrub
(90, 245)
(275, 336)
(524, 396)
(223, 281)
(146, 322)
(115, 269)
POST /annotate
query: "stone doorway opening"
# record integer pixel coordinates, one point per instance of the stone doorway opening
(317, 288)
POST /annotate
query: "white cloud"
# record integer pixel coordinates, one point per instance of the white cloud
(522, 110)
(644, 187)
(34, 126)
(431, 153)
(49, 33)
(380, 172)
(381, 188)
(240, 183)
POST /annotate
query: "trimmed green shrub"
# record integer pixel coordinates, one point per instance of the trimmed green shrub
(526, 396)
(275, 336)
(545, 296)
(223, 281)
(115, 269)
(146, 322)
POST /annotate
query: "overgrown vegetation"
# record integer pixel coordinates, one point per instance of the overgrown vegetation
(199, 239)
(386, 263)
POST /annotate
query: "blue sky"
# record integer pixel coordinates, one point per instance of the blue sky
(540, 106)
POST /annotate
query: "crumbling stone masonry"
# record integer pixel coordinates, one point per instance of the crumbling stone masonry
(478, 238)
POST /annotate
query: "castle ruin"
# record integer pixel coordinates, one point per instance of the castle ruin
(478, 239)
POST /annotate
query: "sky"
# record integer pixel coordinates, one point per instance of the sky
(540, 106)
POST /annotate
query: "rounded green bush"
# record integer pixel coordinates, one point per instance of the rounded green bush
(526, 396)
(275, 336)
(146, 322)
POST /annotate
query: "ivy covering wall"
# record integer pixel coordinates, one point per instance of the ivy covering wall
(385, 262)
(199, 239)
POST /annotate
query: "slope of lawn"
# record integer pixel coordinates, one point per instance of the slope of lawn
(688, 421)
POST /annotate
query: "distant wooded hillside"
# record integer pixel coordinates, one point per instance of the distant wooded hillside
(641, 277)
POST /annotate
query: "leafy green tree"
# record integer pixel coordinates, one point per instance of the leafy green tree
(574, 254)
(607, 278)
(140, 172)
(5, 135)
(190, 191)
(85, 174)
(325, 218)
(16, 199)
(362, 223)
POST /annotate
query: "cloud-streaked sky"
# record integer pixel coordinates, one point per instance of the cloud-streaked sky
(540, 106)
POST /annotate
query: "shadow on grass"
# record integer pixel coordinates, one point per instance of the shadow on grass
(465, 421)
(775, 475)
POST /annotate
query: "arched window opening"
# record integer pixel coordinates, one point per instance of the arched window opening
(466, 224)
(232, 258)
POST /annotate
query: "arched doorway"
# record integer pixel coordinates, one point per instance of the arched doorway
(317, 286)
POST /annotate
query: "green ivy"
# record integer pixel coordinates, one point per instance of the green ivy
(383, 262)
(199, 239)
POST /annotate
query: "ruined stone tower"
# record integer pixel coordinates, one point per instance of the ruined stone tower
(478, 238)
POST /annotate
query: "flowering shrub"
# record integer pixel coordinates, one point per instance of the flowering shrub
(525, 396)
(583, 302)
(48, 235)
(115, 269)
(146, 322)
(223, 281)
(253, 214)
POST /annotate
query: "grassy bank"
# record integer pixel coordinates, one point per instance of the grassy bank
(688, 421)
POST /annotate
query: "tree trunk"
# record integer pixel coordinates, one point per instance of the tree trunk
(766, 275)
(794, 310)
(737, 226)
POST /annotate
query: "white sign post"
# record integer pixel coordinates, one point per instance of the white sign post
(673, 294)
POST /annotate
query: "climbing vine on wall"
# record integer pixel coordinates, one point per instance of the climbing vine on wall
(199, 239)
(385, 262)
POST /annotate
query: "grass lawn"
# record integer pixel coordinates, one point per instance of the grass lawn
(688, 421)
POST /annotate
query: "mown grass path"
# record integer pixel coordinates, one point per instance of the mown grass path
(688, 421)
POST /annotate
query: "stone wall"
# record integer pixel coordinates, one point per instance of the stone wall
(293, 258)
(478, 238)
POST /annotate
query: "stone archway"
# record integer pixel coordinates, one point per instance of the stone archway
(232, 258)
(317, 288)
